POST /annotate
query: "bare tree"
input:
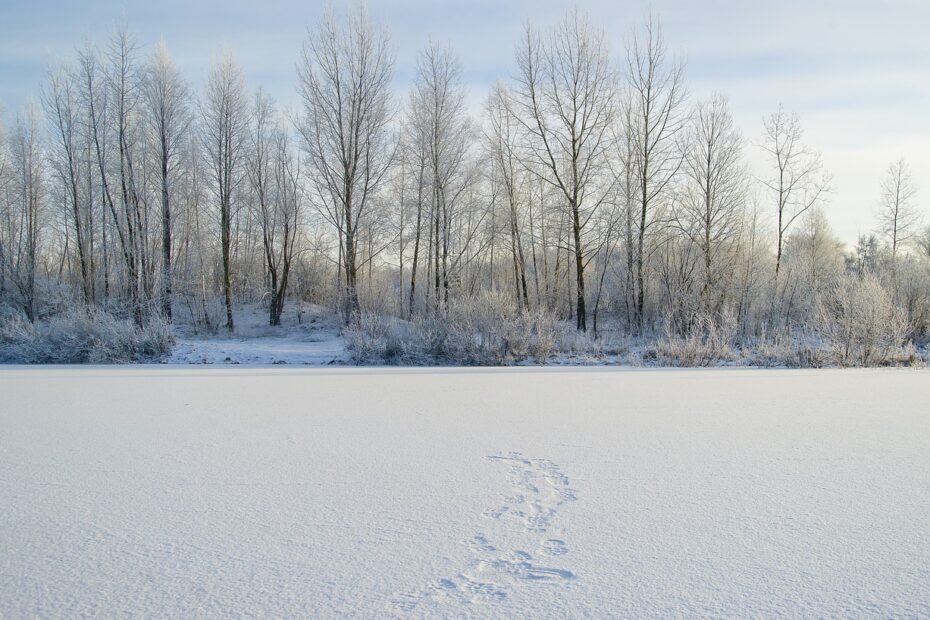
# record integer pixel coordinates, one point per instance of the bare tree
(166, 98)
(798, 180)
(6, 204)
(923, 243)
(656, 95)
(288, 208)
(345, 74)
(502, 147)
(714, 196)
(444, 124)
(224, 132)
(564, 99)
(60, 99)
(400, 197)
(818, 250)
(95, 100)
(122, 79)
(274, 177)
(415, 149)
(898, 217)
(593, 186)
(25, 214)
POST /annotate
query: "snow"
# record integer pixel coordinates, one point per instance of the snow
(190, 491)
(314, 340)
(326, 348)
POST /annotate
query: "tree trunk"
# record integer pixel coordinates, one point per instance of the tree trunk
(580, 312)
(165, 237)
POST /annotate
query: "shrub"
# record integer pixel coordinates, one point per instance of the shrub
(860, 325)
(367, 340)
(82, 336)
(488, 329)
(709, 340)
(798, 352)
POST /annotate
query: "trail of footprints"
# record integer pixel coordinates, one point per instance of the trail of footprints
(539, 488)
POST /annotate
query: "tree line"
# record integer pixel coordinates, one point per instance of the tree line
(590, 186)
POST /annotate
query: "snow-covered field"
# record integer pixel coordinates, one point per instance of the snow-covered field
(504, 493)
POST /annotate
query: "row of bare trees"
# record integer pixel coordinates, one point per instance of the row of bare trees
(589, 185)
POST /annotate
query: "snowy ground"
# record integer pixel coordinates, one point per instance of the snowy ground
(507, 493)
(313, 341)
(324, 347)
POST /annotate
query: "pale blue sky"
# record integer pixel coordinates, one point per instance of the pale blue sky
(858, 72)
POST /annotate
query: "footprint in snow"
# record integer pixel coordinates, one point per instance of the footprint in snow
(553, 546)
(538, 489)
(480, 544)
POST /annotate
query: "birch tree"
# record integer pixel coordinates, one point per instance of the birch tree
(564, 99)
(797, 180)
(166, 99)
(656, 92)
(60, 98)
(714, 197)
(416, 156)
(439, 99)
(25, 215)
(502, 147)
(123, 86)
(95, 102)
(6, 206)
(274, 177)
(224, 131)
(345, 73)
(898, 216)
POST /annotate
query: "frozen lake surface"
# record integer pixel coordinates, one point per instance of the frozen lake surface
(504, 493)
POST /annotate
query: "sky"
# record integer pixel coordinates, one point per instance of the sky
(857, 72)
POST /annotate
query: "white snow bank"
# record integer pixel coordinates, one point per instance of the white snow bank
(509, 493)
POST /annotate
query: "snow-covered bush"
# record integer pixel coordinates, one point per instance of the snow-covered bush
(801, 351)
(910, 280)
(490, 328)
(82, 336)
(578, 345)
(368, 339)
(860, 325)
(709, 340)
(486, 329)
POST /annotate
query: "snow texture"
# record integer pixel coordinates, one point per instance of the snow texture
(184, 492)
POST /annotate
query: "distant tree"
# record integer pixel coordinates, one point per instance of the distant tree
(866, 255)
(819, 250)
(415, 153)
(166, 96)
(95, 102)
(224, 128)
(656, 95)
(898, 217)
(60, 98)
(274, 177)
(438, 96)
(502, 146)
(564, 98)
(797, 178)
(5, 204)
(923, 243)
(131, 220)
(25, 214)
(714, 195)
(345, 73)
